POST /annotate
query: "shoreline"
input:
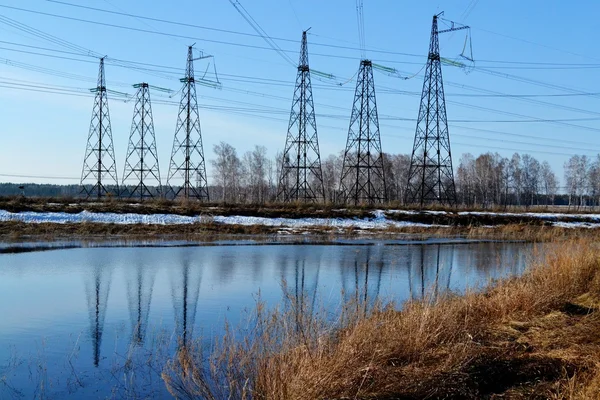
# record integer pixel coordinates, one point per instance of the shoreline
(50, 219)
(531, 336)
(16, 231)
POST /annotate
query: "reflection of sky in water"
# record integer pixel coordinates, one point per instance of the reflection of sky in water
(95, 302)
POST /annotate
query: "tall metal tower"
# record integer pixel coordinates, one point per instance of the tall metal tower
(141, 163)
(99, 162)
(301, 176)
(430, 177)
(362, 179)
(187, 156)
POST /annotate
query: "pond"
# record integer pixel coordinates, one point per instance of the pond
(99, 322)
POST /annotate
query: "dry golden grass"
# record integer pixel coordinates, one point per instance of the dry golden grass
(16, 231)
(535, 336)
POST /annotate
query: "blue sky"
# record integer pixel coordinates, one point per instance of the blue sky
(44, 134)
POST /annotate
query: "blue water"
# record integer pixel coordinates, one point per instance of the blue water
(87, 323)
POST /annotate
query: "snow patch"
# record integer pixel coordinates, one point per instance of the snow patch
(378, 221)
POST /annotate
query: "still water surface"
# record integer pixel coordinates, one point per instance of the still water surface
(99, 322)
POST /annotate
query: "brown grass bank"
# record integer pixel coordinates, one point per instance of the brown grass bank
(535, 336)
(15, 231)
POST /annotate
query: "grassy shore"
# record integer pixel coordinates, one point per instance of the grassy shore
(517, 226)
(269, 210)
(534, 336)
(15, 231)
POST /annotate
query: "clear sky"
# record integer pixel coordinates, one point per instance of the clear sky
(541, 53)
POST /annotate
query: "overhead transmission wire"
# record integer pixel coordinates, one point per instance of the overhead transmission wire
(77, 50)
(361, 28)
(519, 142)
(39, 69)
(539, 44)
(371, 49)
(176, 71)
(261, 109)
(235, 111)
(45, 36)
(134, 65)
(86, 53)
(256, 26)
(203, 27)
(247, 45)
(262, 81)
(258, 29)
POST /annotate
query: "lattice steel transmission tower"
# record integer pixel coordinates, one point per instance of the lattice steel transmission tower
(99, 162)
(187, 157)
(362, 179)
(301, 175)
(430, 177)
(141, 162)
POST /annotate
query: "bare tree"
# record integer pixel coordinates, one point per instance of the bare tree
(549, 182)
(576, 178)
(332, 167)
(465, 177)
(594, 179)
(530, 178)
(255, 167)
(228, 171)
(400, 165)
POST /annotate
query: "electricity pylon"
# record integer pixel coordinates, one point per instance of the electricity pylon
(301, 175)
(362, 179)
(430, 177)
(187, 156)
(99, 162)
(141, 163)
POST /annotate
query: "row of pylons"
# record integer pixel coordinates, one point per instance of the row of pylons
(362, 181)
(141, 164)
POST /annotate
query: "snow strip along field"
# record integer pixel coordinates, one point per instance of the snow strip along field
(380, 219)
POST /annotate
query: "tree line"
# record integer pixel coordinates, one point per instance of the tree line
(488, 180)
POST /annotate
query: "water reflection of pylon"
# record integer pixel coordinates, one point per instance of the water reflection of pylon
(431, 259)
(185, 291)
(363, 294)
(302, 290)
(97, 296)
(140, 283)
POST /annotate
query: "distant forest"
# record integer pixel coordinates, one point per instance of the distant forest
(488, 180)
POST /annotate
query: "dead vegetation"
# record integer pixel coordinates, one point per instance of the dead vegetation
(449, 224)
(15, 231)
(273, 210)
(534, 336)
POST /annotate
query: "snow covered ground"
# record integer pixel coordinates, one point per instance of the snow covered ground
(544, 216)
(378, 221)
